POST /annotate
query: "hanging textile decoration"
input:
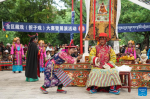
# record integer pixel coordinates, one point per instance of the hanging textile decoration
(102, 18)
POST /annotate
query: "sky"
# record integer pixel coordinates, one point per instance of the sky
(60, 5)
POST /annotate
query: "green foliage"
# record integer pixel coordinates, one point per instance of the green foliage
(42, 11)
(132, 13)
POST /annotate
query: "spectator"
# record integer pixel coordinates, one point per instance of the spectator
(5, 56)
(50, 47)
(138, 52)
(1, 56)
(148, 53)
(60, 46)
(1, 47)
(122, 49)
(8, 47)
(45, 45)
(78, 49)
(56, 49)
(48, 56)
(90, 48)
(25, 48)
(139, 46)
(146, 48)
(63, 46)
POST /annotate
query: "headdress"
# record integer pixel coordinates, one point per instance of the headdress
(103, 35)
(71, 45)
(33, 37)
(132, 42)
(41, 41)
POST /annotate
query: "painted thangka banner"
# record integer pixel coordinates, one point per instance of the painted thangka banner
(102, 18)
(40, 27)
(143, 3)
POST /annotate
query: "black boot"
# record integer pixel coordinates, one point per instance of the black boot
(19, 71)
(14, 72)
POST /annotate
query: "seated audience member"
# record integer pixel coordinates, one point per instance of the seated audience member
(48, 56)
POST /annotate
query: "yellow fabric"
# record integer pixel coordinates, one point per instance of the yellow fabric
(112, 56)
(92, 54)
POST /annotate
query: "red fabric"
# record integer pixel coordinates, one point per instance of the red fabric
(110, 65)
(4, 29)
(38, 66)
(94, 60)
(110, 19)
(102, 52)
(103, 35)
(94, 18)
(112, 87)
(103, 89)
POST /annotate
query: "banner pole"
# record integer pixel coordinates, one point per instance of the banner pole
(81, 34)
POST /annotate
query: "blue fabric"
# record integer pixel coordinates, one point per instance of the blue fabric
(18, 48)
(17, 68)
(41, 69)
(57, 59)
(54, 81)
(148, 53)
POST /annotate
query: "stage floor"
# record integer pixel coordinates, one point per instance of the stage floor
(13, 86)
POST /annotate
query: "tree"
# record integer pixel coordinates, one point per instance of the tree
(31, 11)
(132, 13)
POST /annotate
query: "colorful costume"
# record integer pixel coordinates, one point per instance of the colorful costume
(42, 56)
(32, 71)
(53, 75)
(17, 52)
(131, 50)
(148, 54)
(100, 78)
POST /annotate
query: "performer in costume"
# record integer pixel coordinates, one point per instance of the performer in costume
(18, 54)
(32, 71)
(42, 55)
(130, 49)
(103, 76)
(53, 75)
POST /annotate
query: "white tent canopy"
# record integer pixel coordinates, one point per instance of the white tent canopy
(2, 0)
(143, 3)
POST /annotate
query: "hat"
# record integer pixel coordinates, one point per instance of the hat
(17, 38)
(6, 51)
(132, 42)
(33, 37)
(102, 35)
(14, 40)
(41, 41)
(8, 44)
(71, 45)
(48, 49)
